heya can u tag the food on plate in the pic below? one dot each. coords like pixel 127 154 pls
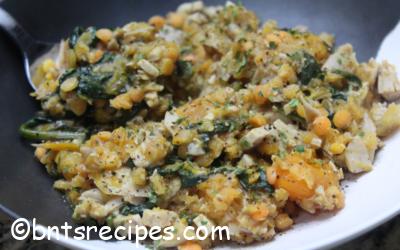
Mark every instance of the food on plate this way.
pixel 207 117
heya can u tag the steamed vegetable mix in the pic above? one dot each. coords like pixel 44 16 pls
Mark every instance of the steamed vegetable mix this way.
pixel 207 117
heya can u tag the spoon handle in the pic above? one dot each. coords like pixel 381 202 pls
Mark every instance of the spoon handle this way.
pixel 26 42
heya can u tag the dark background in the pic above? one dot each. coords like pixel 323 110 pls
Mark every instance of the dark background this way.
pixel 25 188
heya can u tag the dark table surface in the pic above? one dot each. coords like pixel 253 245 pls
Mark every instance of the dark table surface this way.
pixel 25 188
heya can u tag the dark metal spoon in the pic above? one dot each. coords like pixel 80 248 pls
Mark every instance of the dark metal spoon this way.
pixel 32 49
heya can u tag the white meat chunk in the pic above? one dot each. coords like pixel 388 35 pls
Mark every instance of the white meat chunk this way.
pixel 369 72
pixel 291 133
pixel 343 59
pixel 370 139
pixel 202 220
pixel 190 7
pixel 170 34
pixel 195 148
pixel 386 118
pixel 357 156
pixel 254 137
pixel 310 111
pixel 94 204
pixel 170 121
pixel 158 217
pixel 119 183
pixel 388 83
pixel 151 149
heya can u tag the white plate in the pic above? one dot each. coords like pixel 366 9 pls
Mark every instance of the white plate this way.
pixel 371 199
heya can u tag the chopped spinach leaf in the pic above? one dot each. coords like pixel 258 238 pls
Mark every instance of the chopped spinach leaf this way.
pixel 227 170
pixel 170 169
pixel 190 179
pixel 352 80
pixel 107 57
pixel 291 31
pixel 300 121
pixel 152 199
pixel 139 208
pixel 245 144
pixel 91 38
pixel 350 77
pixel 88 36
pixel 184 69
pixel 205 137
pixel 294 103
pixel 44 128
pixel 134 209
pixel 309 67
pixel 192 175
pixel 186 50
pixel 189 174
pixel 172 158
pixel 187 216
pixel 260 184
pixel 91 84
pixel 73 39
pixel 110 220
pixel 126 115
pixel 299 148
pixel 222 126
pixel 338 95
pixel 67 74
pixel 241 59
pixel 219 126
pixel 272 45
